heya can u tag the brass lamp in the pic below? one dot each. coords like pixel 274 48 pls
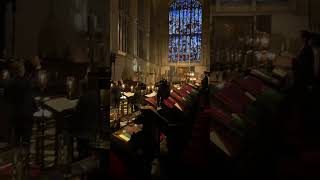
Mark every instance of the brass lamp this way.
pixel 70 85
pixel 43 80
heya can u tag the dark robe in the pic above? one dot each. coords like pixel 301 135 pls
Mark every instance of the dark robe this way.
pixel 19 94
pixel 86 119
pixel 163 92
pixel 303 68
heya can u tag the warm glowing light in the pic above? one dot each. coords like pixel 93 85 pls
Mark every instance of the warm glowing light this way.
pixel 123 86
pixel 70 85
pixel 112 85
pixel 259 56
pixel 70 82
pixel 271 56
pixel 131 88
pixel 5 74
pixel 42 76
pixel 43 79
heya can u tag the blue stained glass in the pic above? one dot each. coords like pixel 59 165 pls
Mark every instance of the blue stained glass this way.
pixel 185 31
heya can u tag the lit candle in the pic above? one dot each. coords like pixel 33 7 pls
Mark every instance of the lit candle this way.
pixel 43 79
pixel 111 85
pixel 258 55
pixel 131 88
pixel 123 86
pixel 70 83
pixel 271 56
pixel 265 41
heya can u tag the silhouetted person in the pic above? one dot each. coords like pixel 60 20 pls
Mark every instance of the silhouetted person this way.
pixel 311 106
pixel 303 65
pixel 137 98
pixel 5 108
pixel 205 81
pixel 85 123
pixel 163 92
pixel 84 82
pixel 33 66
pixel 21 100
pixel 116 94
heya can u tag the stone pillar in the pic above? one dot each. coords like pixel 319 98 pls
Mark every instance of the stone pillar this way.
pixel 205 52
pixel 114 22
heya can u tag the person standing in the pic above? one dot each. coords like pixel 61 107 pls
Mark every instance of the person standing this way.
pixel 205 81
pixel 303 65
pixel 20 97
pixel 163 92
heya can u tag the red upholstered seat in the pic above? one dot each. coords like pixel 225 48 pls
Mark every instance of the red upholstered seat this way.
pixel 233 98
pixel 252 85
pixel 152 101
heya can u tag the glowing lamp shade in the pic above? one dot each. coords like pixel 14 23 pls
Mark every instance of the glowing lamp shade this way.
pixel 258 56
pixel 265 41
pixel 5 74
pixel 271 56
pixel 70 82
pixel 42 78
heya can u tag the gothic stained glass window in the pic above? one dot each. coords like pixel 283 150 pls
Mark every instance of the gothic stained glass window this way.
pixel 185 31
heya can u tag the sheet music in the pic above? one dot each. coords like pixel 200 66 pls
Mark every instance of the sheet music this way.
pixel 128 94
pixel 214 137
pixel 61 104
pixel 152 94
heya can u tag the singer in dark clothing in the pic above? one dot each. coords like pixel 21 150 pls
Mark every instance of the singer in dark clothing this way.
pixel 163 92
pixel 85 123
pixel 303 69
pixel 303 65
pixel 85 126
pixel 20 97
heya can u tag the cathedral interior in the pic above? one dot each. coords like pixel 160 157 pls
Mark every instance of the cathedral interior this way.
pixel 159 89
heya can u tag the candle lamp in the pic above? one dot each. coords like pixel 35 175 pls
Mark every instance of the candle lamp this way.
pixel 271 56
pixel 123 86
pixel 265 41
pixel 70 85
pixel 5 74
pixel 131 88
pixel 43 80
